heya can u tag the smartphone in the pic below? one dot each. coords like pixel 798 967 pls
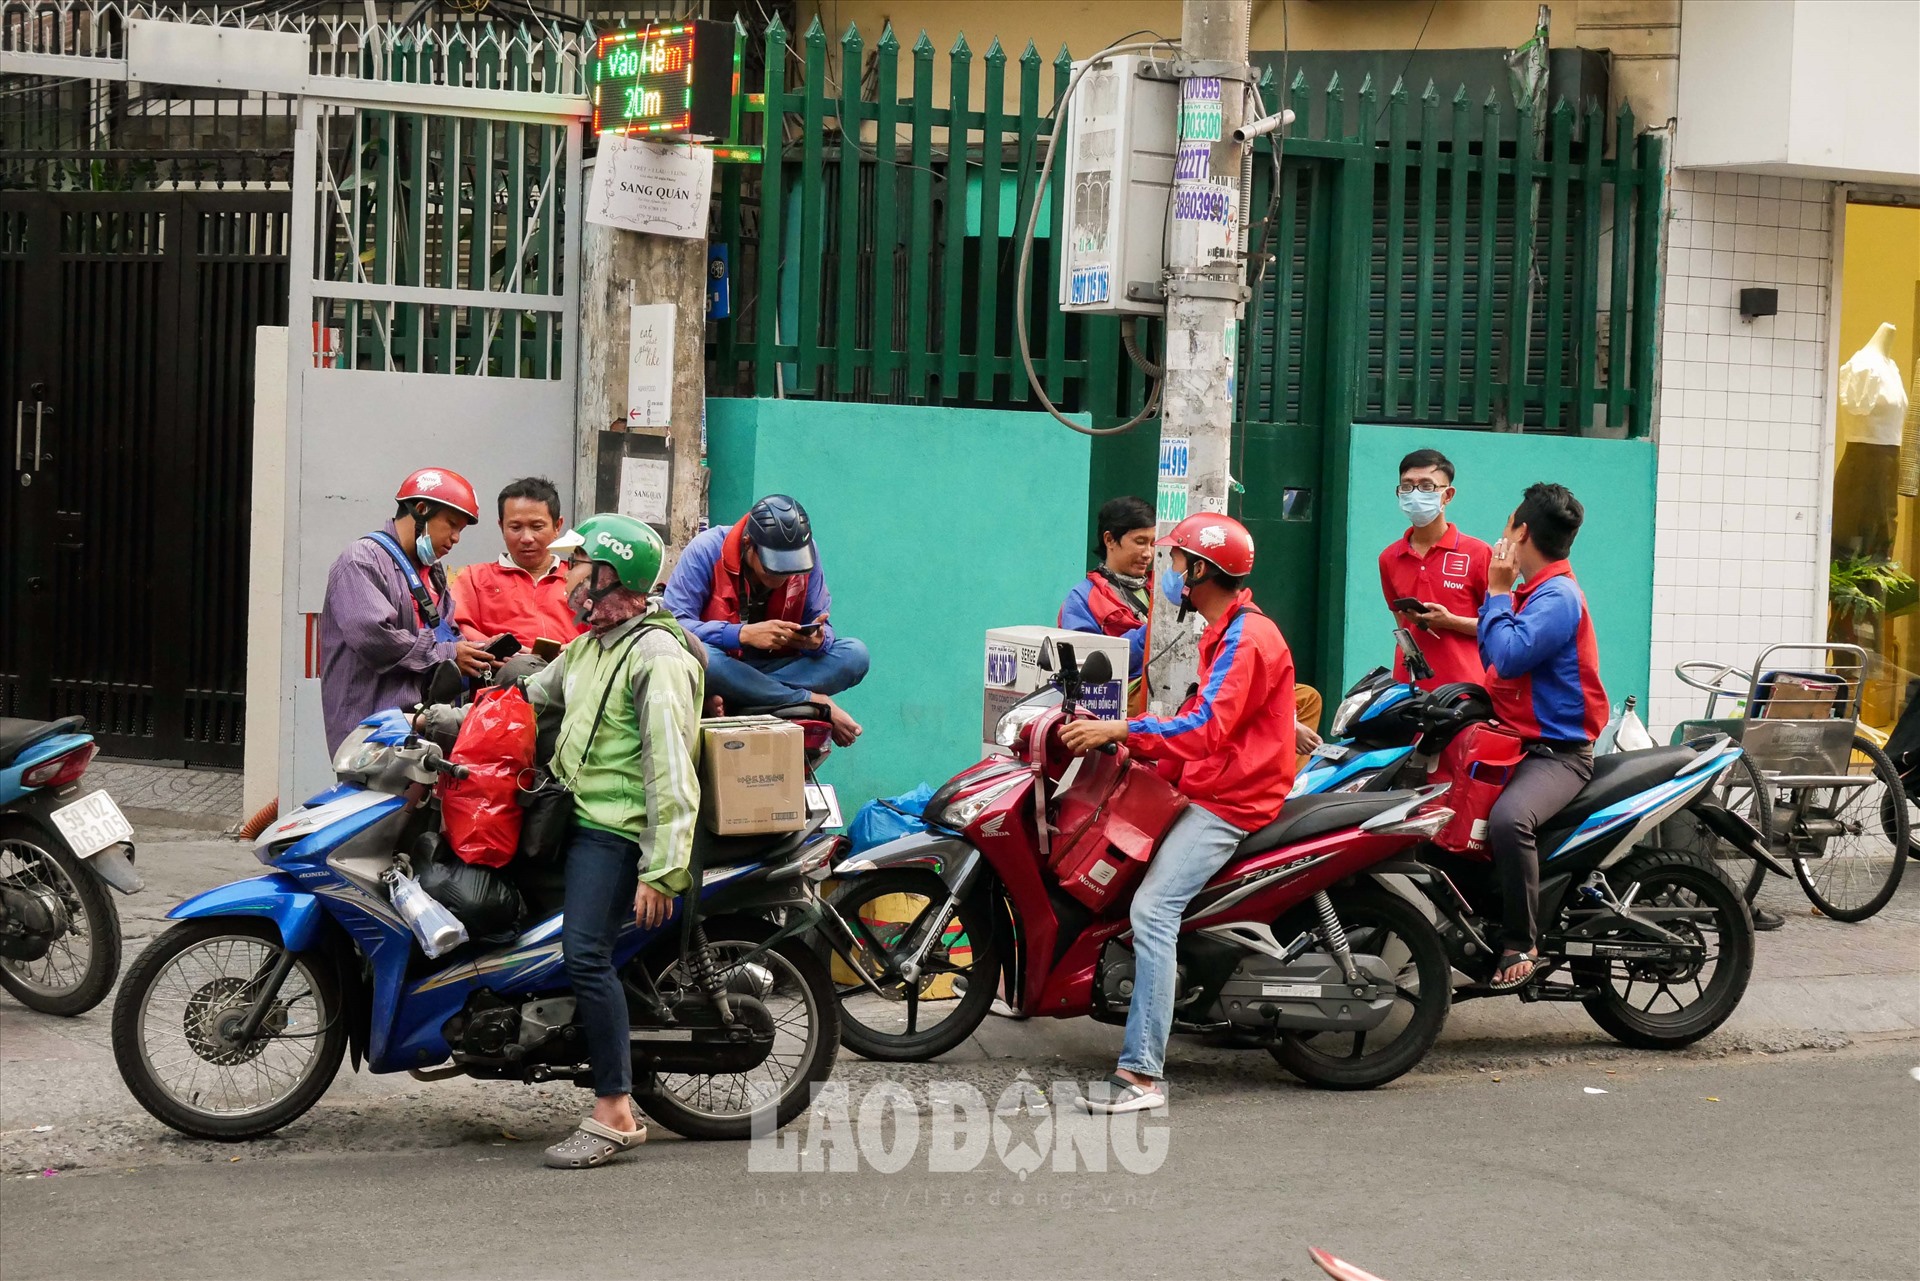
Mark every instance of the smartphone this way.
pixel 547 649
pixel 503 646
pixel 1408 605
pixel 808 628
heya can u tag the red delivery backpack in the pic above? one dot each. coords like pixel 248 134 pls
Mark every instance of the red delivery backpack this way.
pixel 482 810
pixel 1110 820
pixel 1478 763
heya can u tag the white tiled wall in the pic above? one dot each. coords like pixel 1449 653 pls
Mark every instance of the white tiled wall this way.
pixel 1742 427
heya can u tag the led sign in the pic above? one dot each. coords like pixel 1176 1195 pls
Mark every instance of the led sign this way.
pixel 678 81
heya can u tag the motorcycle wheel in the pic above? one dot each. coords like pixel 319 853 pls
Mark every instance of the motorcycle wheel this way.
pixel 806 1041
pixel 1384 925
pixel 889 1024
pixel 174 1020
pixel 79 968
pixel 1664 1020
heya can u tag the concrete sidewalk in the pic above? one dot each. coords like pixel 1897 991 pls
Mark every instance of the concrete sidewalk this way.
pixel 1817 984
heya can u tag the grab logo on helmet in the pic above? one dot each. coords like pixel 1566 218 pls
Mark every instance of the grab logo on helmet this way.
pixel 623 550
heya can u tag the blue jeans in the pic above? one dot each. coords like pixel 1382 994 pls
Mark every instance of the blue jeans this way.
pixel 603 874
pixel 776 680
pixel 1195 847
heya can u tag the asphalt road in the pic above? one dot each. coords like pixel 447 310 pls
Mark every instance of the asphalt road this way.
pixel 1805 1165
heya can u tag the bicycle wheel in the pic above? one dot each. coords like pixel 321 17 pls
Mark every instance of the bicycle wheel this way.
pixel 1851 842
pixel 1744 791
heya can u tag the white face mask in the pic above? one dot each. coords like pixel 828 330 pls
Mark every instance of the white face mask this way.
pixel 1423 508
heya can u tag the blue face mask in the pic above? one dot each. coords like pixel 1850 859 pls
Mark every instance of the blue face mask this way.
pixel 1423 509
pixel 1172 585
pixel 423 548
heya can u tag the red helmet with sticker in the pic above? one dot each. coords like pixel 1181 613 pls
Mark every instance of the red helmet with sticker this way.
pixel 1219 540
pixel 438 485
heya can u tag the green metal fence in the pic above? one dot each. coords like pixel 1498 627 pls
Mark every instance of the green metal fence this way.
pixel 874 249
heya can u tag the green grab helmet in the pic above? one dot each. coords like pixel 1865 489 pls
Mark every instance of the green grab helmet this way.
pixel 630 546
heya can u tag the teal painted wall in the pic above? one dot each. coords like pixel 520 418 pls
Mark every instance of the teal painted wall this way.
pixel 1613 556
pixel 934 525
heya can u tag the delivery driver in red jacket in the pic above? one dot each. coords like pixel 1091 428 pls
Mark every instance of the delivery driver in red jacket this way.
pixel 1230 749
pixel 1543 674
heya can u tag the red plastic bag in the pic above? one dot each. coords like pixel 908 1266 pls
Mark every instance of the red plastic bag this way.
pixel 482 810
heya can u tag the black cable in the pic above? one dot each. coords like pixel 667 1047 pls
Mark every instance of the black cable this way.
pixel 1387 98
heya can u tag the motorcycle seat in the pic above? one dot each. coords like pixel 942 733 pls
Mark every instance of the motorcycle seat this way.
pixel 17 735
pixel 732 851
pixel 1616 776
pixel 1309 816
pixel 787 711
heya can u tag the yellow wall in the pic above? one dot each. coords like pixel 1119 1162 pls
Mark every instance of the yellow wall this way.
pixel 1878 278
pixel 1879 284
pixel 1643 33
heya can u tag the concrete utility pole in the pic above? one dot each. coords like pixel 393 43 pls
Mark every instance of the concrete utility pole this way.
pixel 1206 263
pixel 620 269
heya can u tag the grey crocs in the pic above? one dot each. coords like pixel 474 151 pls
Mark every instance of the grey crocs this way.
pixel 591 1145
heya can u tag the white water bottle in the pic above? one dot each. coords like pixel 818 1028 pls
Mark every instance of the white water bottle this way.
pixel 1632 736
pixel 438 930
pixel 1623 733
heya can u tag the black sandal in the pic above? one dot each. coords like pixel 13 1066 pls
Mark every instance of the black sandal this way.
pixel 1509 959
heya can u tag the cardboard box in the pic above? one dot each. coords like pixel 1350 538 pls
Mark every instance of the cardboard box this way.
pixel 1013 671
pixel 752 776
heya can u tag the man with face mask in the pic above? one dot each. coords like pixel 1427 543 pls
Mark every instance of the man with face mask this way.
pixel 388 618
pixel 1438 568
pixel 1229 749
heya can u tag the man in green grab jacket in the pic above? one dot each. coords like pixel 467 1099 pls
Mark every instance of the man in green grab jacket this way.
pixel 628 693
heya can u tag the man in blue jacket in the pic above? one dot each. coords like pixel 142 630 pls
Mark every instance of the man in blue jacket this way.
pixel 756 595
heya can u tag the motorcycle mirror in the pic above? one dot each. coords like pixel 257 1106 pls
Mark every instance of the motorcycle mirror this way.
pixel 1046 660
pixel 444 685
pixel 1097 670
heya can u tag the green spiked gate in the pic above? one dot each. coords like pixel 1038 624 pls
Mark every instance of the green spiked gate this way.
pixel 868 264
pixel 1412 266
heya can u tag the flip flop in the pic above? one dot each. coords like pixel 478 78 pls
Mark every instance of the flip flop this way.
pixel 594 1143
pixel 1127 1097
pixel 1509 959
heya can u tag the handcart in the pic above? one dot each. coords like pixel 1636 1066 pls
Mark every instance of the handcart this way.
pixel 1824 796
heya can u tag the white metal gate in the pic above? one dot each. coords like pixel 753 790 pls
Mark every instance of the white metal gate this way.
pixel 432 321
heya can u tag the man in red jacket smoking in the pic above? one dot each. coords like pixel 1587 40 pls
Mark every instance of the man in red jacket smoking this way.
pixel 1230 749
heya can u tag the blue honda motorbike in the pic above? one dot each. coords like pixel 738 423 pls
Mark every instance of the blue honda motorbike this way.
pixel 62 842
pixel 1638 921
pixel 234 1022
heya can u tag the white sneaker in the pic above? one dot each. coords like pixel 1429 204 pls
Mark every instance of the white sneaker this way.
pixel 1127 1097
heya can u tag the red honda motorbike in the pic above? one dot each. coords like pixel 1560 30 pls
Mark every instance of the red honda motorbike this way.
pixel 1310 942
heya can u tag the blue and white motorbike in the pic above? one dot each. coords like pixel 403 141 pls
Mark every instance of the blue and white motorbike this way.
pixel 233 1023
pixel 62 842
pixel 1638 922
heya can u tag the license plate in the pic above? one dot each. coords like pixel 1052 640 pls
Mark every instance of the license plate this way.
pixel 821 796
pixel 92 823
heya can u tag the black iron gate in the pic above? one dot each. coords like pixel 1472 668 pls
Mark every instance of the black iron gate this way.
pixel 126 361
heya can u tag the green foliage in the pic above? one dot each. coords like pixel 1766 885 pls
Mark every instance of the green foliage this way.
pixel 1858 586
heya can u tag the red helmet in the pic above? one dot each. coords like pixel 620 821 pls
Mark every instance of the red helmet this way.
pixel 438 485
pixel 1219 540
